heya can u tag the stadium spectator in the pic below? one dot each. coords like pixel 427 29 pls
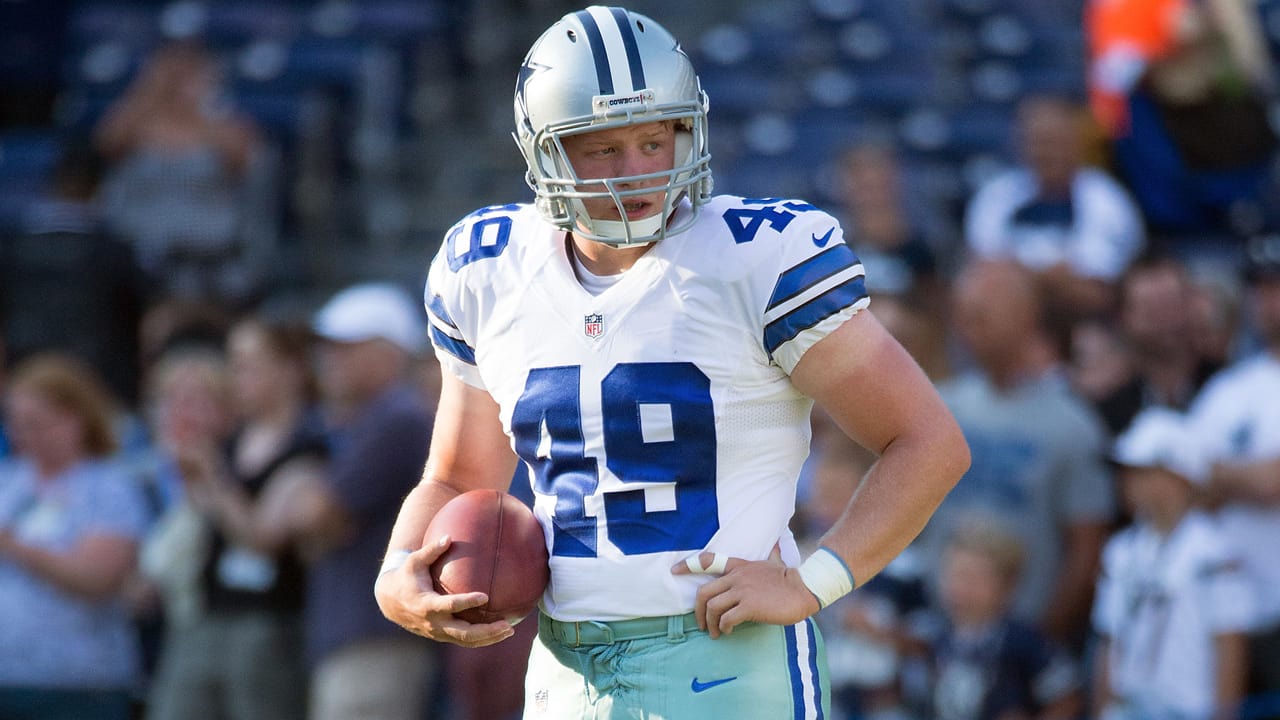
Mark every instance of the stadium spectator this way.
pixel 1073 225
pixel 1216 319
pixel 893 244
pixel 1173 601
pixel 181 182
pixel 66 285
pixel 896 242
pixel 243 657
pixel 1038 450
pixel 70 522
pixel 186 401
pixel 1180 88
pixel 1236 419
pixel 1157 295
pixel 1101 361
pixel 363 665
pixel 970 658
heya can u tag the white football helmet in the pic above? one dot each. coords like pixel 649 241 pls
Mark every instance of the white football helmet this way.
pixel 602 68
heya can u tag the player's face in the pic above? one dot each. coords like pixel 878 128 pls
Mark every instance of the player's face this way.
pixel 624 152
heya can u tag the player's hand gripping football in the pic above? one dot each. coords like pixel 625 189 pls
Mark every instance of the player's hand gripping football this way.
pixel 407 596
pixel 764 591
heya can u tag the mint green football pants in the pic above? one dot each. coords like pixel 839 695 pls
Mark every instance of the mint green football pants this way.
pixel 668 669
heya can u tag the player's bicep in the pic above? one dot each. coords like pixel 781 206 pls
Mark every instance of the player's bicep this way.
pixel 873 389
pixel 469 449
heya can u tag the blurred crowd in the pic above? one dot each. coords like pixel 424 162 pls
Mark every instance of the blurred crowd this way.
pixel 199 467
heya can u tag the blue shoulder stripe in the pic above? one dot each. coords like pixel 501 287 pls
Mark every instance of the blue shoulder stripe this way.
pixel 633 48
pixel 435 305
pixel 604 76
pixel 453 346
pixel 805 275
pixel 813 312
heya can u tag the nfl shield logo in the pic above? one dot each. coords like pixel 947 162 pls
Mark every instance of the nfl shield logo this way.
pixel 593 325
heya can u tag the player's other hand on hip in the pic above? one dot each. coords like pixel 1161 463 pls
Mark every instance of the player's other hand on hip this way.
pixel 408 597
pixel 764 591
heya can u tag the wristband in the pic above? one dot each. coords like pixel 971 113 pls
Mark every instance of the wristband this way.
pixel 826 576
pixel 395 559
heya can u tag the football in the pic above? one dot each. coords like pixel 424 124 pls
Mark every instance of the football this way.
pixel 497 548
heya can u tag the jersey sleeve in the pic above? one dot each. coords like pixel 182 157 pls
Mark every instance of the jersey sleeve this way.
pixel 445 299
pixel 816 285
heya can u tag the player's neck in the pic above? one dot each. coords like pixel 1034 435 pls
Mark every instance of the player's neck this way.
pixel 601 259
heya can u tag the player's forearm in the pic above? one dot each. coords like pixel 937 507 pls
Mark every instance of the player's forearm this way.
pixel 897 497
pixel 422 504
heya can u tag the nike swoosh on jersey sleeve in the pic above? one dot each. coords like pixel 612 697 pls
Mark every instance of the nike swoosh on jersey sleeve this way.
pixel 811 291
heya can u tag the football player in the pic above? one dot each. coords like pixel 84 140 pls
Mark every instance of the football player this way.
pixel 652 353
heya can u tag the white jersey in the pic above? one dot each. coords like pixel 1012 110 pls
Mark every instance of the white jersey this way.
pixel 1237 418
pixel 1162 600
pixel 657 418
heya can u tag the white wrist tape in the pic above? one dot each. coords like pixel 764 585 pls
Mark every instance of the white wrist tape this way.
pixel 826 576
pixel 395 559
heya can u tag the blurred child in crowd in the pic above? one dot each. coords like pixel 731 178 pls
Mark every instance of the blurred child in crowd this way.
pixel 971 659
pixel 1173 604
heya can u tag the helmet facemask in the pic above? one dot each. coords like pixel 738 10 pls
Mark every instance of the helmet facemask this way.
pixel 561 190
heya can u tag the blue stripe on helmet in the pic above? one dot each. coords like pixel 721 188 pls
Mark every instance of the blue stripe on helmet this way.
pixel 633 48
pixel 603 75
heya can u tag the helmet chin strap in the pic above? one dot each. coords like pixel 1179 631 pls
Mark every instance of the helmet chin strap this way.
pixel 639 228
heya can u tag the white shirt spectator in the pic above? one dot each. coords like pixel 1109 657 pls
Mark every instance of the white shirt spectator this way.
pixel 1098 231
pixel 1161 601
pixel 1237 417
